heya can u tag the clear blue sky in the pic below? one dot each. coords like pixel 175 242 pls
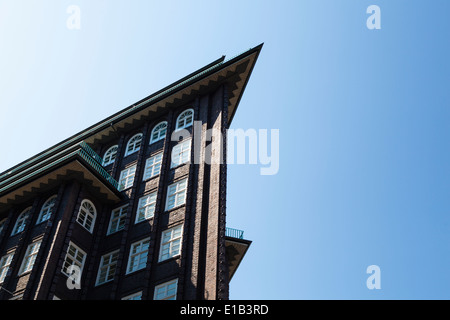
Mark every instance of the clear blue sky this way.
pixel 363 117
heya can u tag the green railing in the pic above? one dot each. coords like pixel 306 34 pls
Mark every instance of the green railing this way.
pixel 97 166
pixel 234 233
pixel 83 150
pixel 91 152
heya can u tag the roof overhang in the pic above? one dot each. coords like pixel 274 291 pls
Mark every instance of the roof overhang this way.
pixel 235 252
pixel 74 164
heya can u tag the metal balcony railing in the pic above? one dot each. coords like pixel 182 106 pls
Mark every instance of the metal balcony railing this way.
pixel 96 163
pixel 234 233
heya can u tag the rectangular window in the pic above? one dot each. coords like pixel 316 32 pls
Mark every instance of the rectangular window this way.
pixel 166 291
pixel 138 255
pixel 170 243
pixel 153 166
pixel 146 207
pixel 127 178
pixel 176 194
pixel 117 221
pixel 75 258
pixel 5 262
pixel 181 153
pixel 30 257
pixel 107 268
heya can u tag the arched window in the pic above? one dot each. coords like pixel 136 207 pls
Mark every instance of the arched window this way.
pixel 21 221
pixel 86 215
pixel 46 210
pixel 134 144
pixel 110 155
pixel 185 119
pixel 159 132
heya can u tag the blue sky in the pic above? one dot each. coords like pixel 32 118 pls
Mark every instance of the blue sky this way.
pixel 363 117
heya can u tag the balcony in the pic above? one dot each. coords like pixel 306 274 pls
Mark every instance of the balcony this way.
pixel 236 248
pixel 78 162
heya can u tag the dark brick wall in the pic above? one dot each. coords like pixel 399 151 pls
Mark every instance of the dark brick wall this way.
pixel 200 267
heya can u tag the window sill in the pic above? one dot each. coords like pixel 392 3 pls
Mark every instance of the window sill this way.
pixel 175 208
pixel 134 272
pixel 150 178
pixel 174 258
pixel 145 220
pixel 180 165
pixel 104 283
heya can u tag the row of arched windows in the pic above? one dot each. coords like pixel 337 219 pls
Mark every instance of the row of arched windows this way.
pixel 184 120
pixel 86 215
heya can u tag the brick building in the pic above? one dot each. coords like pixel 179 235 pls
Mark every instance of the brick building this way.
pixel 121 210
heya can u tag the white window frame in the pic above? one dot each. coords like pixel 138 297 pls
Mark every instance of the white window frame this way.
pixel 89 218
pixel 134 296
pixel 163 291
pixel 146 207
pixel 30 257
pixel 72 259
pixel 5 262
pixel 181 153
pixel 159 132
pixel 137 259
pixel 119 214
pixel 178 193
pixel 21 221
pixel 185 120
pixel 110 155
pixel 153 166
pixel 134 144
pixel 107 265
pixel 127 176
pixel 47 209
pixel 171 241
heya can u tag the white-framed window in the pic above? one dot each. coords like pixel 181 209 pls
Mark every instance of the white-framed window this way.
pixel 153 166
pixel 5 262
pixel 170 243
pixel 46 210
pixel 107 268
pixel 110 155
pixel 87 215
pixel 138 255
pixel 134 144
pixel 134 296
pixel 74 257
pixel 21 221
pixel 30 257
pixel 176 194
pixel 181 153
pixel 146 207
pixel 158 132
pixel 185 119
pixel 166 291
pixel 117 221
pixel 127 178
pixel 2 225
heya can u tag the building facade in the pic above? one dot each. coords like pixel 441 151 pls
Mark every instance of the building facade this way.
pixel 133 207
